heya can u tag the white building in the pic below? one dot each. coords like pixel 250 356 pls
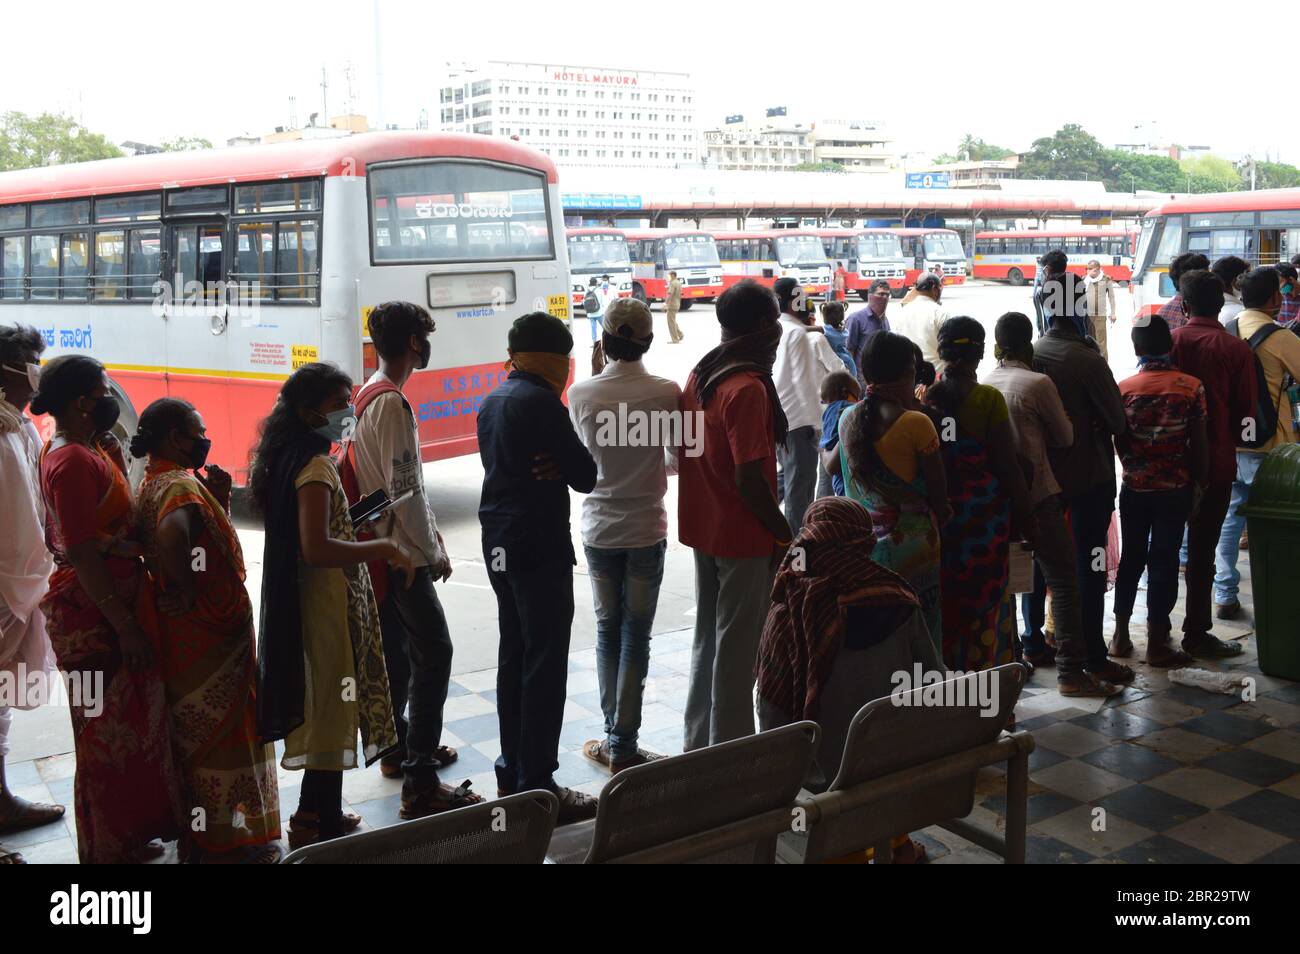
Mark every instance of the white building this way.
pixel 858 145
pixel 579 115
pixel 772 147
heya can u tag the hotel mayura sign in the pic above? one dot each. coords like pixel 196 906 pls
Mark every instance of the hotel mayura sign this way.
pixel 606 79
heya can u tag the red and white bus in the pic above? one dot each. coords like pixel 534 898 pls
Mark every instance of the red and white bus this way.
pixel 777 253
pixel 1013 256
pixel 594 253
pixel 211 275
pixel 933 250
pixel 868 256
pixel 690 253
pixel 1262 227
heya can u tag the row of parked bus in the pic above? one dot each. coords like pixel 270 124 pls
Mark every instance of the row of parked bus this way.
pixel 213 275
pixel 638 261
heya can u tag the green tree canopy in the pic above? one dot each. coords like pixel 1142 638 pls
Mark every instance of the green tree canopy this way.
pixel 185 144
pixel 48 139
pixel 974 149
pixel 1071 153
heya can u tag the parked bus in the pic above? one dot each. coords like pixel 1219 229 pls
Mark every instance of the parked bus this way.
pixel 929 249
pixel 1262 227
pixel 690 253
pixel 594 253
pixel 868 255
pixel 211 275
pixel 1013 256
pixel 777 253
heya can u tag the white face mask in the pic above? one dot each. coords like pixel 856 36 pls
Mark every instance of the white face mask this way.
pixel 33 372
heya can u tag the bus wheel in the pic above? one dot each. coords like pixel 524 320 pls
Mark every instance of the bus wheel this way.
pixel 686 305
pixel 639 294
pixel 127 423
pixel 1016 276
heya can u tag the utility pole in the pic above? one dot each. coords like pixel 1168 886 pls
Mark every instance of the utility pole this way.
pixel 324 95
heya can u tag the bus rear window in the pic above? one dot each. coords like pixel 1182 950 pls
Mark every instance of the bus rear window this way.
pixel 452 211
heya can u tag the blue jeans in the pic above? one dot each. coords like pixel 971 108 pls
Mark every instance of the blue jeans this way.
pixel 595 321
pixel 625 587
pixel 1226 577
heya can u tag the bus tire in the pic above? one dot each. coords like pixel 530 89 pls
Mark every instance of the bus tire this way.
pixel 639 294
pixel 686 304
pixel 127 423
pixel 1016 277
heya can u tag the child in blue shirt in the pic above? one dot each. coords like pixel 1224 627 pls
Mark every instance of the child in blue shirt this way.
pixel 840 390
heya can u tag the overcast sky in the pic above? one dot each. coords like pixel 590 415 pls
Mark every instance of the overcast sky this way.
pixel 1008 71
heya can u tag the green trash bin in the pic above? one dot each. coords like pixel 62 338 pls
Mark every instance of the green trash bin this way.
pixel 1273 522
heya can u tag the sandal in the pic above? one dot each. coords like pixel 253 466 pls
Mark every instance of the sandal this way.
pixel 910 853
pixel 9 856
pixel 1086 685
pixel 445 755
pixel 1163 656
pixel 437 799
pixel 304 827
pixel 1120 649
pixel 24 815
pixel 270 853
pixel 1211 647
pixel 1114 672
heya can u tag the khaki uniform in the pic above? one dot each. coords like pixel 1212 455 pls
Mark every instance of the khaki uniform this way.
pixel 1101 305
pixel 673 303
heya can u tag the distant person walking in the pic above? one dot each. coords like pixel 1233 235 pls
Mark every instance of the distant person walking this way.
pixel 673 303
pixel 599 296
pixel 920 319
pixel 1099 294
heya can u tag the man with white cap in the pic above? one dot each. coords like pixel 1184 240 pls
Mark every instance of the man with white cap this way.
pixel 632 424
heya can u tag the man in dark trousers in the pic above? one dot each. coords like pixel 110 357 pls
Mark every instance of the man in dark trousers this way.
pixel 531 457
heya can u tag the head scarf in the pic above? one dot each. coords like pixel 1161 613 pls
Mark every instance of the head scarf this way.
pixel 552 368
pixel 754 352
pixel 826 570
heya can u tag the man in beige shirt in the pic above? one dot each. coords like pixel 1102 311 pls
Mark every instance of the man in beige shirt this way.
pixel 1100 293
pixel 673 303
pixel 1278 352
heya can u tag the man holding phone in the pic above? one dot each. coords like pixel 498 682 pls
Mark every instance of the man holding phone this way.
pixel 385 455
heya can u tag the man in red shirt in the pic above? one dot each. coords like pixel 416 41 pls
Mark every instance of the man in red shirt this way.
pixel 728 513
pixel 1224 364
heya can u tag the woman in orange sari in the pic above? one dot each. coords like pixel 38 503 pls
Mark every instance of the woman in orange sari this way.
pixel 125 794
pixel 199 614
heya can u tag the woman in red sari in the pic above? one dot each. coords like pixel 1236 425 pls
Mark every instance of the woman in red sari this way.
pixel 125 793
pixel 199 615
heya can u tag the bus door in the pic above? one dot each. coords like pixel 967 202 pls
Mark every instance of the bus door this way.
pixel 197 319
pixel 1270 246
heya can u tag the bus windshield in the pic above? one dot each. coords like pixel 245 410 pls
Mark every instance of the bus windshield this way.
pixel 598 251
pixel 800 250
pixel 448 211
pixel 685 251
pixel 879 247
pixel 943 246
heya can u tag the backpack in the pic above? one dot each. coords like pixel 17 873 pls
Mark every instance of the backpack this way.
pixel 591 304
pixel 1266 411
pixel 351 488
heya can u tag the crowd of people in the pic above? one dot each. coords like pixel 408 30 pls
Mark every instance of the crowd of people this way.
pixel 854 497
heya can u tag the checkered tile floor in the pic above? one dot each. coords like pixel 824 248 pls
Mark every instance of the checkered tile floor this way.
pixel 1181 775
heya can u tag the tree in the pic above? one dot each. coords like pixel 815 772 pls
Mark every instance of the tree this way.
pixel 1071 153
pixel 1211 174
pixel 1274 175
pixel 972 149
pixel 48 139
pixel 1128 172
pixel 823 166
pixel 185 144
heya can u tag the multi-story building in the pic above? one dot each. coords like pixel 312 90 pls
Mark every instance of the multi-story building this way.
pixel 579 115
pixel 767 148
pixel 856 145
pixel 976 174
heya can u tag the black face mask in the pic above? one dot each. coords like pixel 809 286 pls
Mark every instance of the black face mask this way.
pixel 198 452
pixel 105 413
pixel 425 352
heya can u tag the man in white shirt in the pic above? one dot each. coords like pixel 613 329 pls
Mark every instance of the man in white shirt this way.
pixel 632 424
pixel 803 358
pixel 27 665
pixel 919 320
pixel 385 454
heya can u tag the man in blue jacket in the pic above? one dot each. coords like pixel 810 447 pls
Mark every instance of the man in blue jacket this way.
pixel 531 457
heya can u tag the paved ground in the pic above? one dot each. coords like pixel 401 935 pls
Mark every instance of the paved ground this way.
pixel 1184 775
